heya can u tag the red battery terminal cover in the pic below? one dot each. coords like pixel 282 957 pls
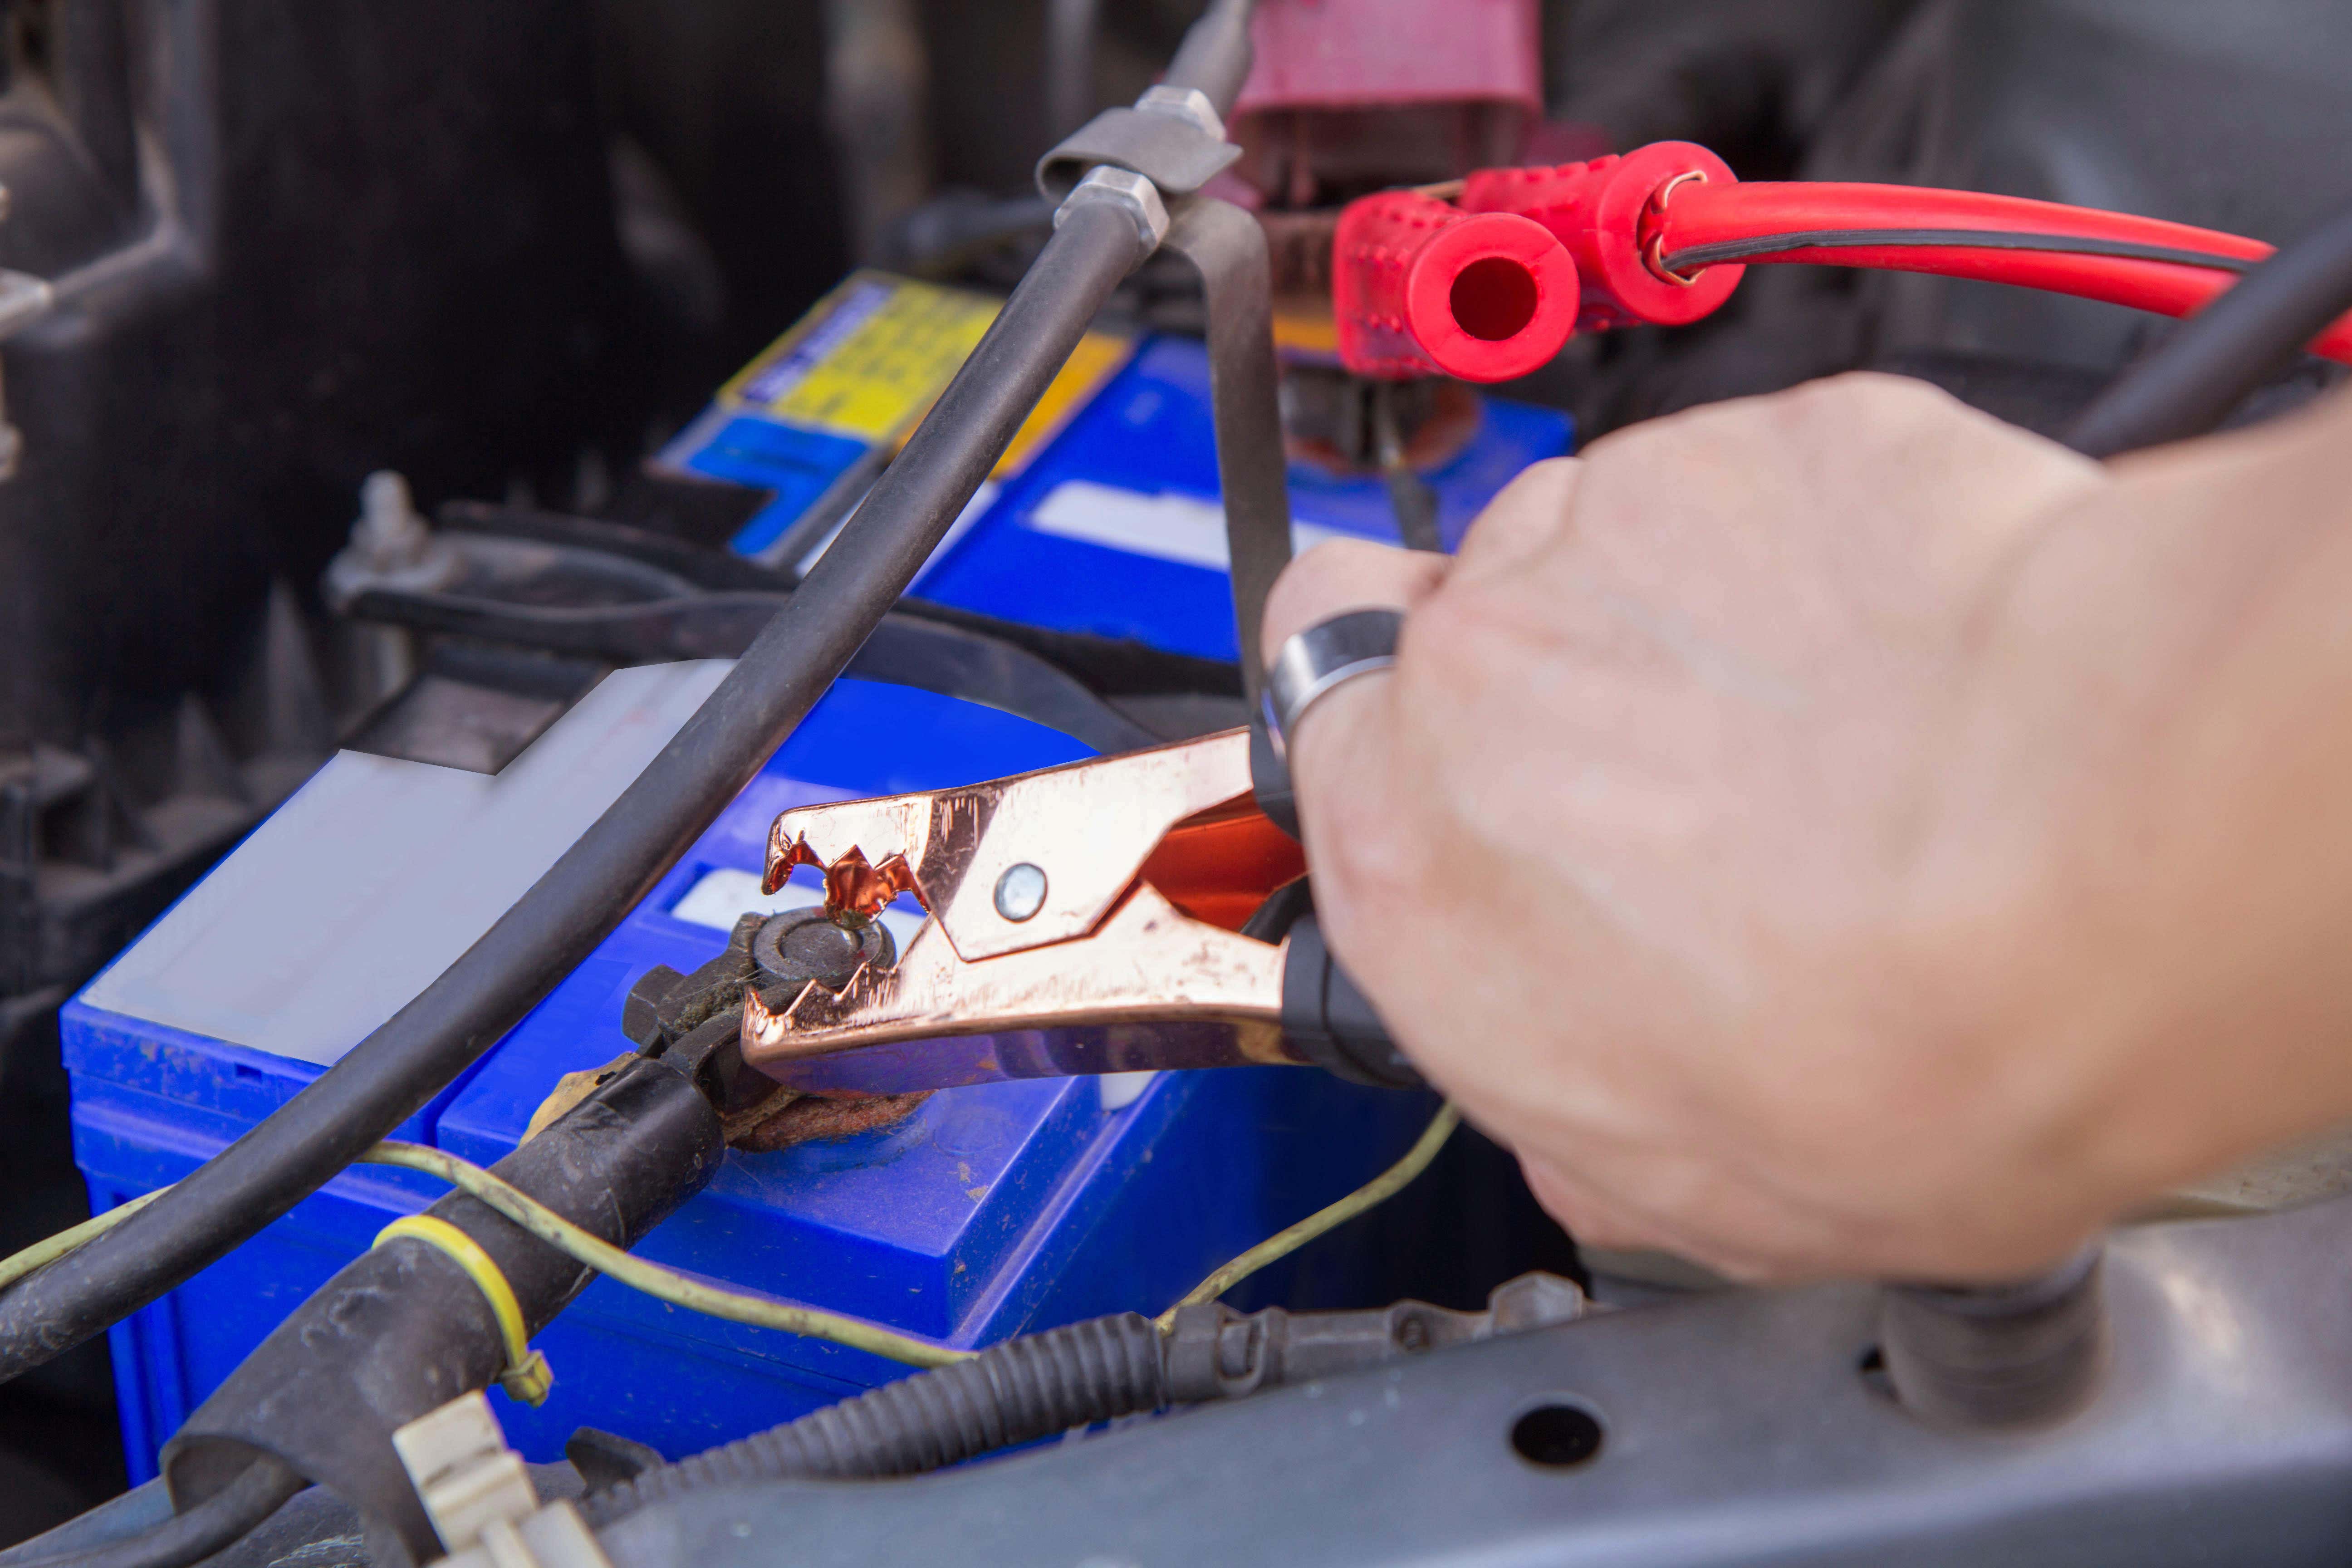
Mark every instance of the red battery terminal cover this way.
pixel 1419 287
pixel 1489 286
pixel 1609 214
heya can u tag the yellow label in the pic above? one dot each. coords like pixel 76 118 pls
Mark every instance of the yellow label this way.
pixel 878 350
pixel 1093 361
pixel 869 359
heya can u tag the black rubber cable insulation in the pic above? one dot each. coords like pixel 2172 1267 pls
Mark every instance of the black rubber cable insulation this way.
pixel 226 1516
pixel 1013 1392
pixel 387 1077
pixel 2213 361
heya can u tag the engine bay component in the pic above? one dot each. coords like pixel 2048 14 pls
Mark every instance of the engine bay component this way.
pixel 692 1021
pixel 1999 1357
pixel 1089 482
pixel 1086 1373
pixel 1702 1431
pixel 432 1040
pixel 1349 95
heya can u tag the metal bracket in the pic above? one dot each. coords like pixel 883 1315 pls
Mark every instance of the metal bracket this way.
pixel 1173 151
pixel 1227 248
pixel 1174 138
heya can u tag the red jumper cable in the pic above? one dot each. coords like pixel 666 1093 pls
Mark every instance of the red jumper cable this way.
pixel 1663 234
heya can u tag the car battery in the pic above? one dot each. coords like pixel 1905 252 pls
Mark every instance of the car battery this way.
pixel 992 1209
pixel 1102 517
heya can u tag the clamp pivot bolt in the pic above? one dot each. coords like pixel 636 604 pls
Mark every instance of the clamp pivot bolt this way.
pixel 1021 891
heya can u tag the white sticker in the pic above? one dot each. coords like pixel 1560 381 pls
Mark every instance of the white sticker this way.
pixel 1172 526
pixel 405 862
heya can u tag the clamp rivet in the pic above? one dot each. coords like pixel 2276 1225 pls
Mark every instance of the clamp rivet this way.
pixel 1021 891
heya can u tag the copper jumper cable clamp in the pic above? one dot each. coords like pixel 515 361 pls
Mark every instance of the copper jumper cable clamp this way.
pixel 1126 912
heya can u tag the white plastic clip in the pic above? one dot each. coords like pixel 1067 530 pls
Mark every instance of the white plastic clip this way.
pixel 479 1495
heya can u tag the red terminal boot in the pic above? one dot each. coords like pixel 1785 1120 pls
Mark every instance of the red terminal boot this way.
pixel 1605 212
pixel 1419 287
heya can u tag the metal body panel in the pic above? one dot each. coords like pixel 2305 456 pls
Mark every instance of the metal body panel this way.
pixel 1737 1429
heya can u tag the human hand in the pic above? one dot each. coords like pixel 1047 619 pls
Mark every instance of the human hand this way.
pixel 1776 829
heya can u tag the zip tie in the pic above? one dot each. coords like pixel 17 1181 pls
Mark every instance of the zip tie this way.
pixel 527 1377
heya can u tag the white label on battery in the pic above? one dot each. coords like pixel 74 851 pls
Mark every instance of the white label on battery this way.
pixel 379 872
pixel 1187 530
pixel 724 895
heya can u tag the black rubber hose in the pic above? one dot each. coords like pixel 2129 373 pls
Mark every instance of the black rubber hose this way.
pixel 226 1516
pixel 387 1077
pixel 2217 358
pixel 401 1330
pixel 1215 55
pixel 1013 1392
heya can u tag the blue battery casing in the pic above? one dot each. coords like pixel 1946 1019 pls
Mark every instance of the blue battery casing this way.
pixel 993 1210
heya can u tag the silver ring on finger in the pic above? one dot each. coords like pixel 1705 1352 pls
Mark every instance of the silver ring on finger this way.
pixel 1325 656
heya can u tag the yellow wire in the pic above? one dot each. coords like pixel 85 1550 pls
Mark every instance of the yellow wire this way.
pixel 1282 1243
pixel 682 1289
pixel 662 1284
pixel 42 1252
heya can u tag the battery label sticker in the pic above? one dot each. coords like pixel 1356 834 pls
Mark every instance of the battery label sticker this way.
pixel 881 351
pixel 1187 530
pixel 871 358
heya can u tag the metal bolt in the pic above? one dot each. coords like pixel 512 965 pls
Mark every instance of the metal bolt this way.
pixel 1186 103
pixel 1021 891
pixel 1126 189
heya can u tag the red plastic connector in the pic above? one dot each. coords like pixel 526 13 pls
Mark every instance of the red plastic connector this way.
pixel 1606 213
pixel 1663 234
pixel 1420 287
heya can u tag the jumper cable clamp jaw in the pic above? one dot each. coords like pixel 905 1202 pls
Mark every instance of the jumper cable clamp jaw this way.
pixel 1128 913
